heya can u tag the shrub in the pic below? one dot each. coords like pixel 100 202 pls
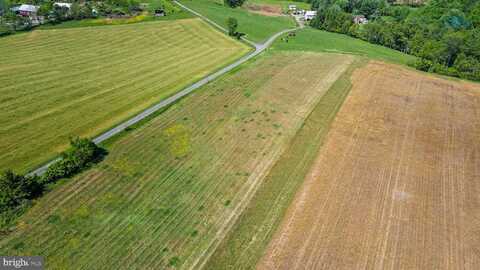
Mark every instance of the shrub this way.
pixel 423 64
pixel 80 155
pixel 232 25
pixel 233 3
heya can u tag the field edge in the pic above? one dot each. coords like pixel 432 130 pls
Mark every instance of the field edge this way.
pixel 232 252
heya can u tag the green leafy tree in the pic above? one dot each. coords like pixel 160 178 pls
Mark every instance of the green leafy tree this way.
pixel 16 189
pixel 80 155
pixel 467 67
pixel 3 6
pixel 232 25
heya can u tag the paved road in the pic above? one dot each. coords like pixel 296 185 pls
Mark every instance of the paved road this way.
pixel 259 48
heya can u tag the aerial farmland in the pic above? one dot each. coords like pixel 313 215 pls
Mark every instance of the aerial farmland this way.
pixel 240 134
pixel 81 81
pixel 206 157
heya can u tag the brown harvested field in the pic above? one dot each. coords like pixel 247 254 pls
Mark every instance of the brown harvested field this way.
pixel 397 183
pixel 264 9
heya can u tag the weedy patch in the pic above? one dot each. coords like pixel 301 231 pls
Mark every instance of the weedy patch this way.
pixel 178 140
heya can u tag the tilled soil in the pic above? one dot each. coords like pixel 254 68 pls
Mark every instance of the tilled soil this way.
pixel 397 183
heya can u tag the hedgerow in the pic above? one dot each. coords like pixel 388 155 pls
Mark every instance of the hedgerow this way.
pixel 17 191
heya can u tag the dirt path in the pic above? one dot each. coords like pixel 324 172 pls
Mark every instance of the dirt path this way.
pixel 396 183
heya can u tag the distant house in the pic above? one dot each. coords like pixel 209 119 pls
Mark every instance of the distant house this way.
pixel 62 5
pixel 29 11
pixel 310 14
pixel 360 19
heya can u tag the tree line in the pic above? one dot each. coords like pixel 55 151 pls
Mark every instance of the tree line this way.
pixel 17 191
pixel 443 34
pixel 11 22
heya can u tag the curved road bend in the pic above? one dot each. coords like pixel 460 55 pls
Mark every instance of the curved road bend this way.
pixel 259 48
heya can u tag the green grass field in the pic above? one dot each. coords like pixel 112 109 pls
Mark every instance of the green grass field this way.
pixel 257 27
pixel 250 236
pixel 170 190
pixel 314 40
pixel 82 81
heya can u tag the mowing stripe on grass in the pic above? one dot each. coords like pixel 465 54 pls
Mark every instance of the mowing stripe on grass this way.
pixel 82 81
pixel 169 191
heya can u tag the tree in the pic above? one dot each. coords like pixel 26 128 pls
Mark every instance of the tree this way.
pixel 232 25
pixel 467 67
pixel 3 6
pixel 80 155
pixel 16 189
pixel 233 3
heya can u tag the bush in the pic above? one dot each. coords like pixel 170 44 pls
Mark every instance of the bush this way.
pixel 233 3
pixel 467 67
pixel 232 25
pixel 80 155
pixel 423 64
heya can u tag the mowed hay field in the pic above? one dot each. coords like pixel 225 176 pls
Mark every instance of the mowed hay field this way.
pixel 81 81
pixel 169 191
pixel 396 184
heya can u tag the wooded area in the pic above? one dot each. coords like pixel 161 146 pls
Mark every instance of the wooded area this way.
pixel 444 34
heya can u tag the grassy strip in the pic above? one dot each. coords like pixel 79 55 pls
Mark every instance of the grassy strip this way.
pixel 315 40
pixel 247 241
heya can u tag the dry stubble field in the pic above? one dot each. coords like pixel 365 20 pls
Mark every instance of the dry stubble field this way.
pixel 396 185
pixel 168 192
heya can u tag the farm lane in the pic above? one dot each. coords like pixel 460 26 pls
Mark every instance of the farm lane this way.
pixel 259 48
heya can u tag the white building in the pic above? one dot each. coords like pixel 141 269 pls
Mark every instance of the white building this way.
pixel 62 5
pixel 360 19
pixel 310 14
pixel 26 10
pixel 292 7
